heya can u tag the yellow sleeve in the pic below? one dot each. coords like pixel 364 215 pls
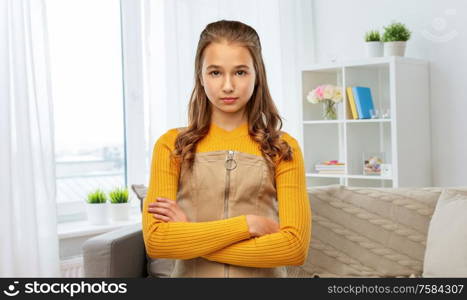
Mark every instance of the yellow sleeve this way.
pixel 181 240
pixel 290 245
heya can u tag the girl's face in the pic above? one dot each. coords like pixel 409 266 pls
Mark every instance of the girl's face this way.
pixel 228 78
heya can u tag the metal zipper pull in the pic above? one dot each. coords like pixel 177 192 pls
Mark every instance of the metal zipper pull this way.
pixel 230 162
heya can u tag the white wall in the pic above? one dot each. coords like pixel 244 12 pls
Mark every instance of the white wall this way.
pixel 439 34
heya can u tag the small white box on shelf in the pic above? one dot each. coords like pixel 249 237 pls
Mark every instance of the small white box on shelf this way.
pixel 386 170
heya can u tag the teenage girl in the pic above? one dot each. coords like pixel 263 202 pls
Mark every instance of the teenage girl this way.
pixel 227 194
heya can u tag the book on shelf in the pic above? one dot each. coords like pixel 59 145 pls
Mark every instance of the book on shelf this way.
pixel 331 172
pixel 331 163
pixel 340 165
pixel 330 166
pixel 325 167
pixel 363 101
pixel 351 109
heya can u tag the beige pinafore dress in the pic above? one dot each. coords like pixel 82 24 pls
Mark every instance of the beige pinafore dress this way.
pixel 226 184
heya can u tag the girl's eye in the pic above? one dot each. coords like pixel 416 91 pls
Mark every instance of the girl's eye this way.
pixel 215 73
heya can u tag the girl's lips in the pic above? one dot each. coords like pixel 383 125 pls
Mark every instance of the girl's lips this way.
pixel 229 100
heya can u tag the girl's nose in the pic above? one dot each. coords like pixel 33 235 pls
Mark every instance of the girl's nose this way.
pixel 227 86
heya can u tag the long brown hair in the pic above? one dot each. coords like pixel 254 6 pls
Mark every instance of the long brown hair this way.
pixel 264 121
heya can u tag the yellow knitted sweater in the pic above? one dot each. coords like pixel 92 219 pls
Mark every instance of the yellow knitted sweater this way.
pixel 228 241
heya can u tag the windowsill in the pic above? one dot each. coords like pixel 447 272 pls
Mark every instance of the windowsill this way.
pixel 82 228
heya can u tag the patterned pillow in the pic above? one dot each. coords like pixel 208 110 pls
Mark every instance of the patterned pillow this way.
pixel 369 232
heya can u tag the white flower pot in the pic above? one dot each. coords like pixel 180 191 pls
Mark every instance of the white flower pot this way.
pixel 120 211
pixel 394 48
pixel 98 213
pixel 374 49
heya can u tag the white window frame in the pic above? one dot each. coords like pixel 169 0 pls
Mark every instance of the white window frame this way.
pixel 135 135
pixel 133 86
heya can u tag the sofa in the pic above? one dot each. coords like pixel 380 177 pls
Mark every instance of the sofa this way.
pixel 356 232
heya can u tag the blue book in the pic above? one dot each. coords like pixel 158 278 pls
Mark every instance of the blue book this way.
pixel 363 101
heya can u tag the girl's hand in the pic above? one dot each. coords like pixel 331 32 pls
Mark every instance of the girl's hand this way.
pixel 167 210
pixel 259 225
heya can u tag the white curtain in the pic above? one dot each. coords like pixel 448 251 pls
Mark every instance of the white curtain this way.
pixel 28 230
pixel 172 30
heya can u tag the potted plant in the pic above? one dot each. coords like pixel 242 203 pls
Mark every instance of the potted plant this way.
pixel 119 206
pixel 329 95
pixel 96 208
pixel 395 38
pixel 374 46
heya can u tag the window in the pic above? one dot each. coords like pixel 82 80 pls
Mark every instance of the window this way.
pixel 87 88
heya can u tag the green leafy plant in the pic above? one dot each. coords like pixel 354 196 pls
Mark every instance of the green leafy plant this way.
pixel 119 195
pixel 396 32
pixel 372 36
pixel 97 196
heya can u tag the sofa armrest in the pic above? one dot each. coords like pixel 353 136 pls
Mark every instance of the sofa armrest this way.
pixel 119 253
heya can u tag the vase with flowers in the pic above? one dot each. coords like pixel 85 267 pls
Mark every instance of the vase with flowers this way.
pixel 329 95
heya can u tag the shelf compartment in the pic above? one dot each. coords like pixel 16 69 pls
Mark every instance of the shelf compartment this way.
pixel 324 143
pixel 367 137
pixel 376 77
pixel 310 80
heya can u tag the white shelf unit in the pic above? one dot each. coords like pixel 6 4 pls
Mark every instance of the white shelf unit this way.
pixel 399 84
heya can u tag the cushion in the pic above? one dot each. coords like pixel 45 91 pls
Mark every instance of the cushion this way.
pixel 369 231
pixel 156 267
pixel 140 191
pixel 446 250
pixel 160 267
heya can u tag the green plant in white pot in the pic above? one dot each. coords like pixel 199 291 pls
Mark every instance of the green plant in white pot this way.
pixel 97 208
pixel 119 206
pixel 374 46
pixel 395 38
